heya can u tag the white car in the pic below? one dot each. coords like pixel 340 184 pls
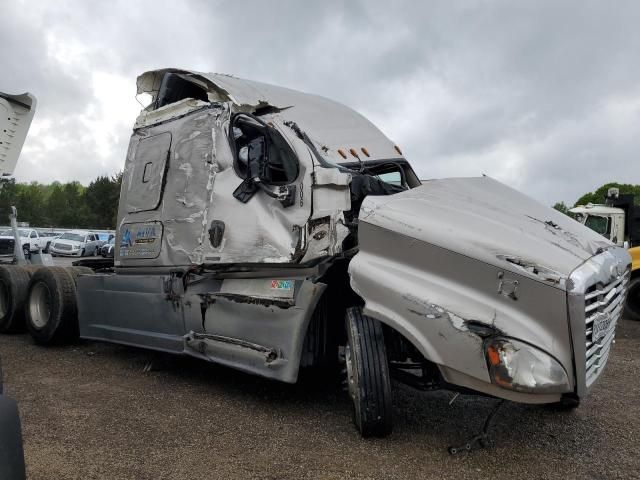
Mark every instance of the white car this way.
pixel 30 240
pixel 76 243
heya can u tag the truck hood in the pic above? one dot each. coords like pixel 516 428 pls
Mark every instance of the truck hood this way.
pixel 16 113
pixel 486 220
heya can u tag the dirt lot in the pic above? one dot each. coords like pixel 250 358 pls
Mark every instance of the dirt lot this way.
pixel 91 410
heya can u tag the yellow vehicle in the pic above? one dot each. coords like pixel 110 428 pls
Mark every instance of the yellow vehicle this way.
pixel 618 219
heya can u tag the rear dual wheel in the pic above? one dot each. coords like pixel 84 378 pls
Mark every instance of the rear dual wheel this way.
pixel 368 378
pixel 51 309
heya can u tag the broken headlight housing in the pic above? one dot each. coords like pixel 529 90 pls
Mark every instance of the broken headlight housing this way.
pixel 521 367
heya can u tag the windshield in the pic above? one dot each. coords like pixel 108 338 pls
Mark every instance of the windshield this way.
pixel 72 236
pixel 9 232
pixel 598 224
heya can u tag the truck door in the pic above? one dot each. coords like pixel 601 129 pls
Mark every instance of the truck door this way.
pixel 261 195
pixel 617 229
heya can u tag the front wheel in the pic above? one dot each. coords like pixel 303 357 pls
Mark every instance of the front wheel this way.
pixel 632 305
pixel 368 378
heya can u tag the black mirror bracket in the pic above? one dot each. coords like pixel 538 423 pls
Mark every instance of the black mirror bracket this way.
pixel 285 194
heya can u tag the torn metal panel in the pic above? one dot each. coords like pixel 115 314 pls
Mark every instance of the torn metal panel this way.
pixel 255 325
pixel 331 192
pixel 331 126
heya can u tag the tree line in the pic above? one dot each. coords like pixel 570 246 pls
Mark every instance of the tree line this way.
pixel 62 205
pixel 598 195
pixel 72 205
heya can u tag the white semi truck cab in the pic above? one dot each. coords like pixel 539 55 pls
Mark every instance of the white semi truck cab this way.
pixel 268 229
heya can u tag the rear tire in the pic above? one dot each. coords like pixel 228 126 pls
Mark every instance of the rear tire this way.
pixel 632 305
pixel 46 249
pixel 75 272
pixel 368 376
pixel 51 310
pixel 14 283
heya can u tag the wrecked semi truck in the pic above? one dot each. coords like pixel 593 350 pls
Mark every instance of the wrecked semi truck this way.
pixel 267 230
pixel 618 220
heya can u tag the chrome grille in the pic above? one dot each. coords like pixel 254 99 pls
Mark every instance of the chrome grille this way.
pixel 603 303
pixel 62 246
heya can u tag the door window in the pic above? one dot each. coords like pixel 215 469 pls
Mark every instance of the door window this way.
pixel 253 142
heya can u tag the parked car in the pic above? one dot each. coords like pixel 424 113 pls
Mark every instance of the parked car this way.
pixel 76 243
pixel 11 450
pixel 104 238
pixel 30 240
pixel 108 249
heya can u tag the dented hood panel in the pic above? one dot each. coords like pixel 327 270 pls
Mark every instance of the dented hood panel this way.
pixel 486 220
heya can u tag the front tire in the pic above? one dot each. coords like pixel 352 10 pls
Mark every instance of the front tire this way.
pixel 51 309
pixel 632 305
pixel 368 377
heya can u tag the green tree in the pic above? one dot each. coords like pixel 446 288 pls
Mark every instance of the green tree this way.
pixel 599 194
pixel 561 207
pixel 62 205
pixel 31 203
pixel 102 199
pixel 8 197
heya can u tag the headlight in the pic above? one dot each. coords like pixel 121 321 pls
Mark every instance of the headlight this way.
pixel 517 366
pixel 75 247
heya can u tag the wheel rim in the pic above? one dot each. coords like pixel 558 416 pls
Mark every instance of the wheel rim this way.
pixel 40 305
pixel 351 379
pixel 4 299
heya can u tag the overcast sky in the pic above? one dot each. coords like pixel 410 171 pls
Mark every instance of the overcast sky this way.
pixel 544 97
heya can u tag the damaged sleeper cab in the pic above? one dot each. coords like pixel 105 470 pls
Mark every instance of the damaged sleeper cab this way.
pixel 267 230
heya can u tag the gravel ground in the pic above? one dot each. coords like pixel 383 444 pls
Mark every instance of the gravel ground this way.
pixel 92 410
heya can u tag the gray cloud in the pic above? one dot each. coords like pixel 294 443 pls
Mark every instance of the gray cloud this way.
pixel 543 96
